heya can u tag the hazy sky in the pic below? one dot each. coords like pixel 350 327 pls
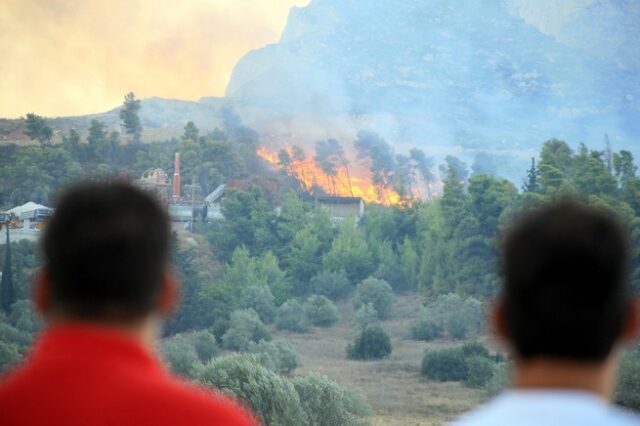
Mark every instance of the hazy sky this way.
pixel 64 57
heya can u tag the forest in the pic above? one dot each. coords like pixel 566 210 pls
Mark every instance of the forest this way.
pixel 405 287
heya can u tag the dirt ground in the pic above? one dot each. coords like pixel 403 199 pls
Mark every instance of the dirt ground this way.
pixel 393 386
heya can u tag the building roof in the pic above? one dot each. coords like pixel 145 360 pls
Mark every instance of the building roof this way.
pixel 26 207
pixel 338 200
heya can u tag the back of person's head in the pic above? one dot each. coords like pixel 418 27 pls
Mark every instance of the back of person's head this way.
pixel 566 290
pixel 106 251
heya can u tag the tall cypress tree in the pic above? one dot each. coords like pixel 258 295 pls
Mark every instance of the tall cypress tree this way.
pixel 7 290
pixel 532 184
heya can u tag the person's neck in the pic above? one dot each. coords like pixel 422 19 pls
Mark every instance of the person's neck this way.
pixel 145 330
pixel 549 373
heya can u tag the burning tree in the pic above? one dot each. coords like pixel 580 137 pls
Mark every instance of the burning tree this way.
pixel 382 165
pixel 380 176
pixel 333 162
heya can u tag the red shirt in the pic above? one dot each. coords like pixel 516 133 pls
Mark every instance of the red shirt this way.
pixel 88 375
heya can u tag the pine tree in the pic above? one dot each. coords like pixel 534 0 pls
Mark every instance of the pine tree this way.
pixel 38 129
pixel 608 155
pixel 191 132
pixel 532 184
pixel 130 118
pixel 7 291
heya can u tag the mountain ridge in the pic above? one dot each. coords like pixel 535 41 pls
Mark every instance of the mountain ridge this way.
pixel 478 77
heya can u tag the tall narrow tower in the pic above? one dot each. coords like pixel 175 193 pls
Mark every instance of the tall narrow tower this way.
pixel 176 178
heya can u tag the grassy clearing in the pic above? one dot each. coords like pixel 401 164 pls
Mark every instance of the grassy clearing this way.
pixel 393 386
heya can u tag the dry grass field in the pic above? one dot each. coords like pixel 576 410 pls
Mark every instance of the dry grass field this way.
pixel 393 386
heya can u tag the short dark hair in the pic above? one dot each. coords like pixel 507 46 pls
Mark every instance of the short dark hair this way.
pixel 106 250
pixel 566 289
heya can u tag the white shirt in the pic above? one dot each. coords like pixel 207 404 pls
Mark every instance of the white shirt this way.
pixel 548 408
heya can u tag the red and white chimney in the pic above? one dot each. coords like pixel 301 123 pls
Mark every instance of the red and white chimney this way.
pixel 176 178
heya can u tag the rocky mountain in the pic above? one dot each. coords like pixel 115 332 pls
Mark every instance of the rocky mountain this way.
pixel 497 76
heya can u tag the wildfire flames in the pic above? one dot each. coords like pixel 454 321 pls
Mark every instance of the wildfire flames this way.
pixel 343 181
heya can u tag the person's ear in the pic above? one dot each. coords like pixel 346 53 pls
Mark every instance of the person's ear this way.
pixel 42 292
pixel 497 323
pixel 169 294
pixel 631 326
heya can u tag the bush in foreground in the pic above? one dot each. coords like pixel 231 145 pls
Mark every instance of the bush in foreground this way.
pixel 278 356
pixel 277 401
pixel 327 404
pixel 480 370
pixel 321 311
pixel 204 344
pixel 271 397
pixel 371 343
pixel 9 356
pixel 179 354
pixel 628 390
pixel 245 327
pixel 498 381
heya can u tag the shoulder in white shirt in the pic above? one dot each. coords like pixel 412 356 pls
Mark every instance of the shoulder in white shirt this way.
pixel 548 408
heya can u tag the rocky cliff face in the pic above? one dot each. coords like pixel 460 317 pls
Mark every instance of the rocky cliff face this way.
pixel 480 74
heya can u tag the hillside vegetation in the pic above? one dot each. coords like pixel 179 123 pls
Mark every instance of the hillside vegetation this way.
pixel 372 321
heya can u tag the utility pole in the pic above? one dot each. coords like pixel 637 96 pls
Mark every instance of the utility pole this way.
pixel 7 290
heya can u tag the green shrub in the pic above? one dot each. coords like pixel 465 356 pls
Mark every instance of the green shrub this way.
pixel 278 356
pixel 393 274
pixel 498 380
pixel 459 317
pixel 272 398
pixel 378 293
pixel 627 392
pixel 220 327
pixel 260 299
pixel 475 349
pixel 9 356
pixel 480 370
pixel 334 285
pixel 179 354
pixel 471 363
pixel 321 311
pixel 291 317
pixel 444 364
pixel 365 316
pixel 204 344
pixel 371 343
pixel 24 317
pixel 10 334
pixel 245 327
pixel 424 328
pixel 328 404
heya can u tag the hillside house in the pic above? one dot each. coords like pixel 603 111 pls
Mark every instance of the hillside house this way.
pixel 341 208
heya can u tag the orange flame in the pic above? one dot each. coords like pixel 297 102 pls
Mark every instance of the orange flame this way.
pixel 345 183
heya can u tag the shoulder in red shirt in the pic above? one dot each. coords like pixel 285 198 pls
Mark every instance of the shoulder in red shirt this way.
pixel 86 375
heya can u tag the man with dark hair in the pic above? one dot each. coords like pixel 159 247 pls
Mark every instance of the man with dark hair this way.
pixel 565 311
pixel 105 283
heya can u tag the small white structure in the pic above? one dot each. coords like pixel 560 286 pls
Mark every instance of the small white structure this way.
pixel 26 208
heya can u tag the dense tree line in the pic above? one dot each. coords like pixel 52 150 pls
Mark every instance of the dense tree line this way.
pixel 285 261
pixel 36 172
